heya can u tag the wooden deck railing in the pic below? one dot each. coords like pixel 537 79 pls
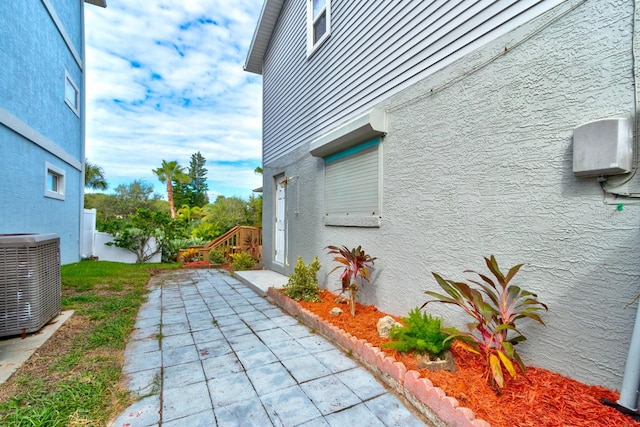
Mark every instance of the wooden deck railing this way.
pixel 239 239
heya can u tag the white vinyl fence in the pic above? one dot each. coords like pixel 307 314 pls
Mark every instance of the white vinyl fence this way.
pixel 93 244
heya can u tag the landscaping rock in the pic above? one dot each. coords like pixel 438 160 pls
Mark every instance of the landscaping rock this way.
pixel 385 324
pixel 341 300
pixel 446 364
pixel 335 311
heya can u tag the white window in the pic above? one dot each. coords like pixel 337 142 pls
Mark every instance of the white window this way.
pixel 54 181
pixel 352 186
pixel 318 23
pixel 71 94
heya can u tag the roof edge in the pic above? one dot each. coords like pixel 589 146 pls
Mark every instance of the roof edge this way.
pixel 101 3
pixel 262 35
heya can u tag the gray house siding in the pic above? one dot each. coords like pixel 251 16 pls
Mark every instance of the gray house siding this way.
pixel 477 160
pixel 376 48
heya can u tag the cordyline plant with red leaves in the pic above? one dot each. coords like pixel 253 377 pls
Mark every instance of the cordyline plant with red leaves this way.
pixel 493 332
pixel 356 264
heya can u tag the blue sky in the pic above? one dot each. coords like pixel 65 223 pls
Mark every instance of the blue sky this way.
pixel 164 80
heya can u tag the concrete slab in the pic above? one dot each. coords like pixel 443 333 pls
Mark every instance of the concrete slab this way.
pixel 15 351
pixel 261 280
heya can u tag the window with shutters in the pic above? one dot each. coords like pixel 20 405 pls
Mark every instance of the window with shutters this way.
pixel 352 186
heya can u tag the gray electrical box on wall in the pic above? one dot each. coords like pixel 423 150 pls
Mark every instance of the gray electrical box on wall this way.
pixel 603 147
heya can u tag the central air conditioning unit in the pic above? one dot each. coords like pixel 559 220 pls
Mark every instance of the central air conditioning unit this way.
pixel 30 283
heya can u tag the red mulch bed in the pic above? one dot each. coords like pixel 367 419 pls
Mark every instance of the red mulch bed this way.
pixel 542 398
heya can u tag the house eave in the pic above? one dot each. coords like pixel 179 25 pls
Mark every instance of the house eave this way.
pixel 101 3
pixel 262 35
pixel 366 126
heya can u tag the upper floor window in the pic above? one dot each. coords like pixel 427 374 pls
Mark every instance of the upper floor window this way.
pixel 318 23
pixel 71 94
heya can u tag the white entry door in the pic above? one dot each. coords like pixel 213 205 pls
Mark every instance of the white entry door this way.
pixel 280 237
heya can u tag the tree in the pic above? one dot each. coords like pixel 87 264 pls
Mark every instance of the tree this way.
pixel 226 212
pixel 193 192
pixel 123 202
pixel 94 176
pixel 167 173
pixel 198 185
pixel 254 210
pixel 136 234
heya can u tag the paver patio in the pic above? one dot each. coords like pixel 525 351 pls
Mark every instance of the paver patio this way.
pixel 227 357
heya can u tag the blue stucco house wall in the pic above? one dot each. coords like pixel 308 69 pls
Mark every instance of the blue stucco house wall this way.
pixel 42 119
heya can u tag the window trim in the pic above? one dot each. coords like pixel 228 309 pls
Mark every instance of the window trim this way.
pixel 75 107
pixel 50 169
pixel 311 21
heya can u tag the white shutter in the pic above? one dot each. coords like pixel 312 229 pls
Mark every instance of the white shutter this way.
pixel 352 182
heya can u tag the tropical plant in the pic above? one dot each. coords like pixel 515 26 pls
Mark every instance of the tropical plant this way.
pixel 421 333
pixel 190 255
pixel 216 256
pixel 167 174
pixel 242 261
pixel 94 176
pixel 492 333
pixel 189 214
pixel 356 263
pixel 303 282
pixel 172 246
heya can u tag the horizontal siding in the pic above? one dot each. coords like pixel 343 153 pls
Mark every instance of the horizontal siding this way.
pixel 376 48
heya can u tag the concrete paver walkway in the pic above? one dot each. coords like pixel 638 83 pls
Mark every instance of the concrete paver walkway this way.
pixel 208 351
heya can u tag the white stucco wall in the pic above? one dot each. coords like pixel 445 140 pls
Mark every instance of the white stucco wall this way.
pixel 478 161
pixel 105 252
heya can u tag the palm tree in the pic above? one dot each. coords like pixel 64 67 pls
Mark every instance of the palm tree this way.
pixel 167 173
pixel 94 176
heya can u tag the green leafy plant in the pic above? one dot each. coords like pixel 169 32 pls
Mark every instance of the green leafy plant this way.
pixel 356 263
pixel 303 282
pixel 137 234
pixel 492 333
pixel 422 333
pixel 242 261
pixel 216 256
pixel 191 255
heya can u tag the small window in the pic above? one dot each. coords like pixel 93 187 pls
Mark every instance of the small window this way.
pixel 352 186
pixel 71 94
pixel 318 23
pixel 54 182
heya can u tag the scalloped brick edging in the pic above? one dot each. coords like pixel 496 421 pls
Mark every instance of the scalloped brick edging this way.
pixel 431 401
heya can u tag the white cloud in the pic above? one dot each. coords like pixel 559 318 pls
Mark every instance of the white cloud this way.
pixel 165 80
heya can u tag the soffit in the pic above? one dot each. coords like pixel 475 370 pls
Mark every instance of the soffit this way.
pixel 262 35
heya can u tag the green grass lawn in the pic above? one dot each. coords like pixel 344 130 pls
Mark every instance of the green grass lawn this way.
pixel 73 380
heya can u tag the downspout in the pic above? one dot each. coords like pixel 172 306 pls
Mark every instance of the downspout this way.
pixel 631 379
pixel 628 401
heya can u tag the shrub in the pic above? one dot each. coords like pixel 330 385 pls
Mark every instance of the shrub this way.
pixel 171 247
pixel 422 333
pixel 190 255
pixel 493 331
pixel 216 256
pixel 242 261
pixel 303 282
pixel 356 263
